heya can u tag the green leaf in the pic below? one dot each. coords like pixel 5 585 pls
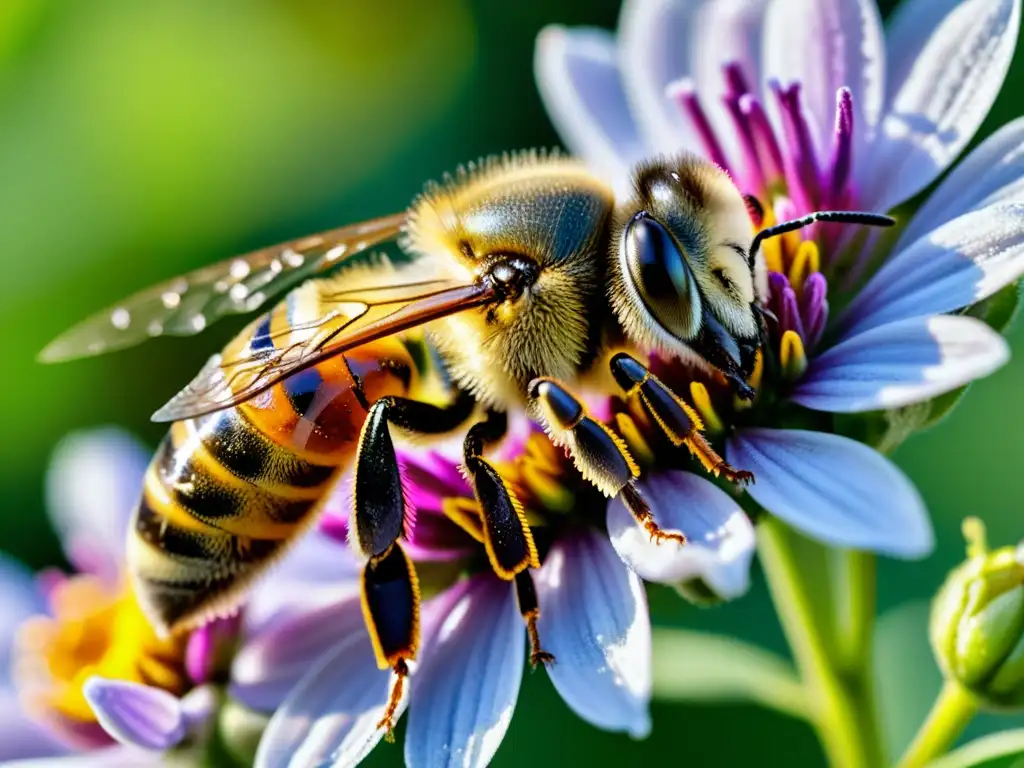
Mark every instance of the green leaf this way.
pixel 704 667
pixel 1000 309
pixel 997 750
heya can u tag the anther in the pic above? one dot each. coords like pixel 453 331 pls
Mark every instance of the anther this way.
pixel 706 409
pixel 806 262
pixel 792 356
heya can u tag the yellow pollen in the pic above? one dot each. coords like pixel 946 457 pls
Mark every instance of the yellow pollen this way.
pixel 806 262
pixel 93 631
pixel 702 401
pixel 771 249
pixel 792 356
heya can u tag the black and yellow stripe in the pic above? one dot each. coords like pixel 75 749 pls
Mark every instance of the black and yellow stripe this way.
pixel 226 493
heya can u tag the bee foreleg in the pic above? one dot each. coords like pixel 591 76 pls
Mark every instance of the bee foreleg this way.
pixel 677 420
pixel 600 455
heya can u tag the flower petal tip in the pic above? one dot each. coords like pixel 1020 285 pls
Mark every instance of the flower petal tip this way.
pixel 136 715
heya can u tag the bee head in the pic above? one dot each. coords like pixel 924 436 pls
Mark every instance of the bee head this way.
pixel 683 280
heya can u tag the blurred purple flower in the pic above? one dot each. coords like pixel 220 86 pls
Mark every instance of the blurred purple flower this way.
pixel 810 104
pixel 87 665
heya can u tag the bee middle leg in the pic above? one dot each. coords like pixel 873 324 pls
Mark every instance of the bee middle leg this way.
pixel 676 419
pixel 390 589
pixel 599 455
pixel 503 527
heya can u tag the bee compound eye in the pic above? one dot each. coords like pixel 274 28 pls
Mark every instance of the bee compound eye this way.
pixel 657 267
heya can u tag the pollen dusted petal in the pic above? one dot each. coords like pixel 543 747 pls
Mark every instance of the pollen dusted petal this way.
pixel 834 489
pixel 941 88
pixel 466 688
pixel 901 363
pixel 594 620
pixel 578 77
pixel 965 261
pixel 135 714
pixel 721 537
pixel 992 173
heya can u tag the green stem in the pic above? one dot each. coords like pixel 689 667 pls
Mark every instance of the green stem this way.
pixel 840 693
pixel 855 588
pixel 951 712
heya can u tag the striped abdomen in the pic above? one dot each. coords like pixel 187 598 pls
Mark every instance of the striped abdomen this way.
pixel 227 492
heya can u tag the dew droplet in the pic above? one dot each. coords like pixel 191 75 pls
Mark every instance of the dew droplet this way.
pixel 336 252
pixel 155 328
pixel 221 286
pixel 170 299
pixel 292 259
pixel 238 292
pixel 120 318
pixel 198 322
pixel 275 267
pixel 239 269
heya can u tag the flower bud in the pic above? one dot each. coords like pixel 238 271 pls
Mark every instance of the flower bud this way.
pixel 977 621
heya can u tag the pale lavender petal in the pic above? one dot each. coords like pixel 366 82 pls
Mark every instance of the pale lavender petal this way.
pixel 465 691
pixel 92 485
pixel 901 363
pixel 20 737
pixel 311 574
pixel 331 715
pixel 111 757
pixel 269 665
pixel 992 173
pixel 826 45
pixel 594 620
pixel 663 41
pixel 963 262
pixel 578 78
pixel 834 489
pixel 721 537
pixel 951 80
pixel 134 714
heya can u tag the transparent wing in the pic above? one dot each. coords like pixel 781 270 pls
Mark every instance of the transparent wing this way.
pixel 188 304
pixel 257 361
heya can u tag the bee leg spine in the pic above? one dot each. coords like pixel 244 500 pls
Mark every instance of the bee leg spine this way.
pixel 641 511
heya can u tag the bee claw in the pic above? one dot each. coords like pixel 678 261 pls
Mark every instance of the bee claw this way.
pixel 735 476
pixel 539 657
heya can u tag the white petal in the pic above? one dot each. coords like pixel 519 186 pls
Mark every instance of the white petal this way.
pixel 661 41
pixel 92 485
pixel 136 715
pixel 578 78
pixel 992 173
pixel 825 45
pixel 950 84
pixel 721 537
pixel 594 620
pixel 901 363
pixel 466 689
pixel 963 262
pixel 268 666
pixel 331 716
pixel 834 489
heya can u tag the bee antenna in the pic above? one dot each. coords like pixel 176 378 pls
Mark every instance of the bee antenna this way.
pixel 840 217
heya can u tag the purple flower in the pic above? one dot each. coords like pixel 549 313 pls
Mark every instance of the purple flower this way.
pixel 316 668
pixel 810 105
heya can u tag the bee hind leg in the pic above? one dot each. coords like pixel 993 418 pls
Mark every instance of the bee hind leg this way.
pixel 680 423
pixel 390 589
pixel 600 455
pixel 503 526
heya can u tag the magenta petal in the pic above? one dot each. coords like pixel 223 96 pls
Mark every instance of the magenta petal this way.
pixel 136 715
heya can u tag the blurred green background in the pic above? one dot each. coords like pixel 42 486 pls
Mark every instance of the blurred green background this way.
pixel 140 140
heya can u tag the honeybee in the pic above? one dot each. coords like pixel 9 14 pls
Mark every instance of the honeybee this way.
pixel 526 279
